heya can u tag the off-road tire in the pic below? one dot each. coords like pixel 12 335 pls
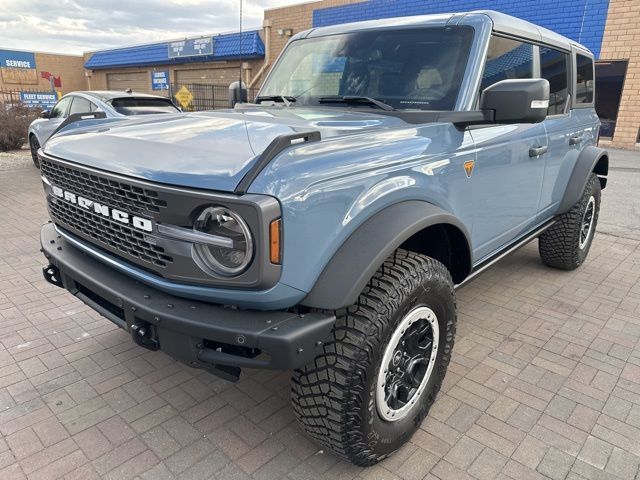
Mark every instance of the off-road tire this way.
pixel 559 246
pixel 34 145
pixel 334 396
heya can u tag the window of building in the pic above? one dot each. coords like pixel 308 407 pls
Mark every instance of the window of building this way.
pixel 507 58
pixel 584 79
pixel 610 79
pixel 554 67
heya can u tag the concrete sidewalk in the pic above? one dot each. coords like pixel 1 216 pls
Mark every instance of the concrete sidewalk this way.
pixel 544 381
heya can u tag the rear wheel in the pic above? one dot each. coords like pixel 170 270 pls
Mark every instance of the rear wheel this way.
pixel 34 146
pixel 566 243
pixel 375 381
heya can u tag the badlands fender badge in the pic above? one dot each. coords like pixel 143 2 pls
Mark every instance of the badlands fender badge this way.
pixel 468 167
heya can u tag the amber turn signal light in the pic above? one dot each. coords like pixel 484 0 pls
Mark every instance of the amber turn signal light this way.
pixel 275 247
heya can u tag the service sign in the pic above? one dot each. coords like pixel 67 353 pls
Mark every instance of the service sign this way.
pixel 160 80
pixel 191 47
pixel 18 67
pixel 44 100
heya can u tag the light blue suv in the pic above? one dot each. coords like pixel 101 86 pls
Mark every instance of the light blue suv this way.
pixel 325 228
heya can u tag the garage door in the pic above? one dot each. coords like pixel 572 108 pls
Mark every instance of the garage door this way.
pixel 136 81
pixel 216 76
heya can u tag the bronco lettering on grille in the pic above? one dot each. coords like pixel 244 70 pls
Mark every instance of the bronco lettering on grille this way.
pixel 104 210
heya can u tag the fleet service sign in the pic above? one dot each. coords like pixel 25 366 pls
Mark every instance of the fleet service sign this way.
pixel 18 67
pixel 39 99
pixel 191 47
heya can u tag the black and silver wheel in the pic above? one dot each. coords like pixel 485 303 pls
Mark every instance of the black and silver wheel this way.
pixel 34 146
pixel 566 243
pixel 407 363
pixel 375 381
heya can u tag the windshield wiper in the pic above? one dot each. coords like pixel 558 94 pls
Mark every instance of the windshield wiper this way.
pixel 286 99
pixel 356 99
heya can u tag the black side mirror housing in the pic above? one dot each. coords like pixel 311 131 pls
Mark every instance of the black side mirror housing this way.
pixel 237 93
pixel 517 100
pixel 45 113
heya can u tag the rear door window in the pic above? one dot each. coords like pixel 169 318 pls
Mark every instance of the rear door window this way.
pixel 143 106
pixel 80 105
pixel 554 66
pixel 584 79
pixel 507 59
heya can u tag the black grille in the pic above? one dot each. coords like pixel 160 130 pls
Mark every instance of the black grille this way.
pixel 109 233
pixel 129 198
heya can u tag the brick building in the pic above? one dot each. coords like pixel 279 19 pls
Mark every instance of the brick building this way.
pixel 150 67
pixel 609 28
pixel 38 71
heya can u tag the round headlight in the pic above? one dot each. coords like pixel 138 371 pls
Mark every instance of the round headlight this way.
pixel 229 260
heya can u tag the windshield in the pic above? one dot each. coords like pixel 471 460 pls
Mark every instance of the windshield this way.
pixel 142 105
pixel 404 68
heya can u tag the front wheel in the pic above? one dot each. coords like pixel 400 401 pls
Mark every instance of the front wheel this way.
pixel 375 381
pixel 34 146
pixel 566 243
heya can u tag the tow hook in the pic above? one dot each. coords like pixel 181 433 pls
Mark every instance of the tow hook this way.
pixel 52 275
pixel 144 334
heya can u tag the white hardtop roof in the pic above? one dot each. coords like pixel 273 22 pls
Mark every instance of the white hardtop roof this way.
pixel 501 22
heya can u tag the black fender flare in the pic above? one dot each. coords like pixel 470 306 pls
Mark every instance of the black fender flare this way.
pixel 354 263
pixel 591 159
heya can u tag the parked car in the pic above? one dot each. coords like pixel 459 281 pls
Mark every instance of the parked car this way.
pixel 112 103
pixel 325 228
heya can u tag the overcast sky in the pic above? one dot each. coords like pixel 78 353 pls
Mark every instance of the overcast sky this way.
pixel 75 26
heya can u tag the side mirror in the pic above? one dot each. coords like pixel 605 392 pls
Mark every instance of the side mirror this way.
pixel 237 93
pixel 45 113
pixel 517 100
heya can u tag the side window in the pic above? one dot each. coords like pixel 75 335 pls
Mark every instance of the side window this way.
pixel 80 105
pixel 554 67
pixel 60 109
pixel 506 59
pixel 584 79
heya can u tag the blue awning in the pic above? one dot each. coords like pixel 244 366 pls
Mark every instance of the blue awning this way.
pixel 225 47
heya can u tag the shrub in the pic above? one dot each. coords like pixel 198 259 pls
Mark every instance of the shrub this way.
pixel 14 124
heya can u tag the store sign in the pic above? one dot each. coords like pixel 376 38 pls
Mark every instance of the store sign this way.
pixel 44 100
pixel 160 80
pixel 18 67
pixel 191 47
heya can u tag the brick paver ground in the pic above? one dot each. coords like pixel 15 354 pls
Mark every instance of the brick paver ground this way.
pixel 544 381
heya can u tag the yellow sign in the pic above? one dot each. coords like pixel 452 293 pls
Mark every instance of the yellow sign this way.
pixel 184 97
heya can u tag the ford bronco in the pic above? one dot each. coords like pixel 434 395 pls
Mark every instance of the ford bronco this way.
pixel 325 227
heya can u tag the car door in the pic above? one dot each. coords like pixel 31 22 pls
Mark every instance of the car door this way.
pixel 509 169
pixel 58 113
pixel 562 129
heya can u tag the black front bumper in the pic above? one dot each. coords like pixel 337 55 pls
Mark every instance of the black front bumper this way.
pixel 200 334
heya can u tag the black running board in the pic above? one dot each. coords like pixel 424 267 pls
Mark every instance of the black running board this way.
pixel 512 247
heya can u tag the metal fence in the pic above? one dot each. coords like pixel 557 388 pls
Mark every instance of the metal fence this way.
pixel 208 97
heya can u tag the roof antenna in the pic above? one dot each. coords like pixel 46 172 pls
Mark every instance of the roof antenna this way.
pixel 240 84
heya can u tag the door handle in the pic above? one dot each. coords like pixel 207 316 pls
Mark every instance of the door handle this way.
pixel 575 140
pixel 537 151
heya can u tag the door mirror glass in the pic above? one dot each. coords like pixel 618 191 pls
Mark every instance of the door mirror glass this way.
pixel 517 100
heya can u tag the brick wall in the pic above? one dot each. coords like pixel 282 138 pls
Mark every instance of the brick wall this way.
pixel 621 42
pixel 581 20
pixel 68 67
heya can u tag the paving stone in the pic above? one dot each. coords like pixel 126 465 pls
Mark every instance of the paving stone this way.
pixel 544 382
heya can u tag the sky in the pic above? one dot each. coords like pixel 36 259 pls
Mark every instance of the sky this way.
pixel 76 26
